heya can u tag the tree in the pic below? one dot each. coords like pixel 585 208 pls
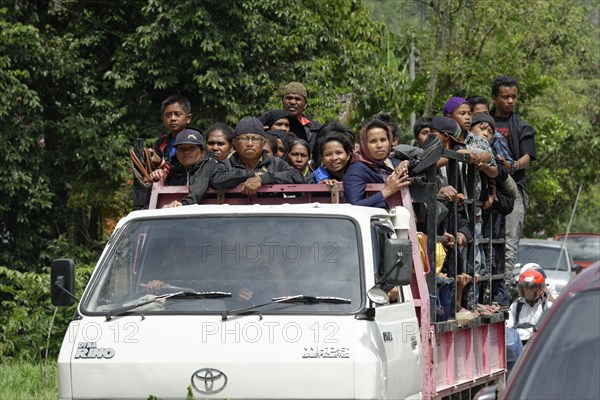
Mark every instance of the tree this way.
pixel 232 58
pixel 65 147
pixel 551 47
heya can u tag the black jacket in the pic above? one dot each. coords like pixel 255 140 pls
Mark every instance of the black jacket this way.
pixel 521 140
pixel 307 132
pixel 199 180
pixel 231 172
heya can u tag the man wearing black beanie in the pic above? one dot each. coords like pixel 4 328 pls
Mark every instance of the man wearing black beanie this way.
pixel 250 166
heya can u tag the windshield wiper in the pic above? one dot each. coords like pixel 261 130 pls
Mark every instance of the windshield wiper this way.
pixel 301 298
pixel 181 294
pixel 122 310
pixel 191 293
pixel 201 295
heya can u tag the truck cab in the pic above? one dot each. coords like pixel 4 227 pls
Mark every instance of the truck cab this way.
pixel 255 302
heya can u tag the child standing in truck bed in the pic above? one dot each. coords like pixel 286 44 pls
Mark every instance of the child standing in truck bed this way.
pixel 176 114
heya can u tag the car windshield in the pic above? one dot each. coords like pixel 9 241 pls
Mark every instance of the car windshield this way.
pixel 548 257
pixel 566 360
pixel 222 263
pixel 584 248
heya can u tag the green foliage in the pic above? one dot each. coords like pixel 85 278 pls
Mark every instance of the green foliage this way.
pixel 190 393
pixel 27 314
pixel 21 380
pixel 67 140
pixel 238 67
pixel 26 195
pixel 587 217
pixel 551 47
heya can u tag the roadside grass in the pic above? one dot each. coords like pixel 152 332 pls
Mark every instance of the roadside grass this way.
pixel 20 380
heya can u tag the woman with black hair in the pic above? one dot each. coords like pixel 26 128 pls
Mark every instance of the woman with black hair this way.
pixel 372 164
pixel 298 157
pixel 335 153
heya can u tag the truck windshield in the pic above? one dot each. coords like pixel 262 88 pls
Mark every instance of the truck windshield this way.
pixel 252 259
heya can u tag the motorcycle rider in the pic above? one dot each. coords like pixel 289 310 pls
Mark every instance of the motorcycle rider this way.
pixel 530 305
pixel 547 292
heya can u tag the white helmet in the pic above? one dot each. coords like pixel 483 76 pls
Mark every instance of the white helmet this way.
pixel 535 266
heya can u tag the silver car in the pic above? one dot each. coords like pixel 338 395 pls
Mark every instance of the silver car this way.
pixel 553 257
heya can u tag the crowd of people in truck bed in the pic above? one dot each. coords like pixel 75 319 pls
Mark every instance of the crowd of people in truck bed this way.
pixel 284 146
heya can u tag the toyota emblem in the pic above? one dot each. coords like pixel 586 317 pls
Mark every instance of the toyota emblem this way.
pixel 209 380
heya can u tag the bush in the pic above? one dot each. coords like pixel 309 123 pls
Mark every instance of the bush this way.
pixel 27 314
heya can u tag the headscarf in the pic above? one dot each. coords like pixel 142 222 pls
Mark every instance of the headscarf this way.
pixel 452 104
pixel 362 154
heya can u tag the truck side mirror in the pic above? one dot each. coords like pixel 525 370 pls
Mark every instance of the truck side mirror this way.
pixel 397 261
pixel 62 282
pixel 576 268
pixel 378 296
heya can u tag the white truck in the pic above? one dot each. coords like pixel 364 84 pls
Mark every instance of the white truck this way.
pixel 286 301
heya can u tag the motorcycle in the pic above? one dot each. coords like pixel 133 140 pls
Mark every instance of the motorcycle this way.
pixel 514 345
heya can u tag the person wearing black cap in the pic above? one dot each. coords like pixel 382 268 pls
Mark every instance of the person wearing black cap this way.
pixel 194 169
pixel 484 125
pixel 295 101
pixel 448 132
pixel 276 120
pixel 283 142
pixel 189 149
pixel 250 166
